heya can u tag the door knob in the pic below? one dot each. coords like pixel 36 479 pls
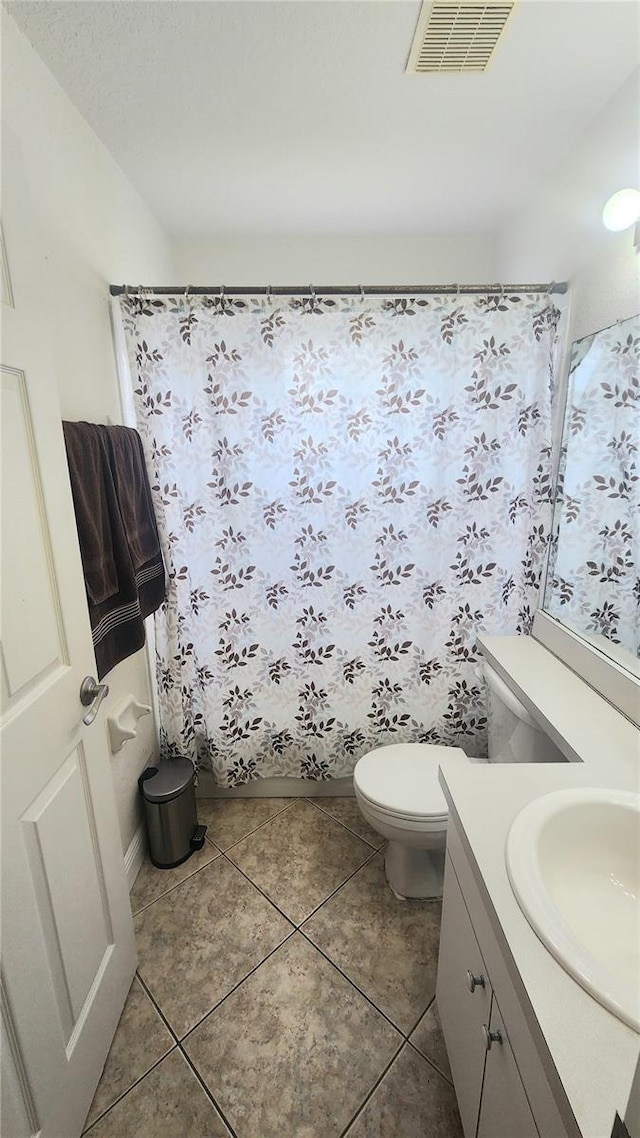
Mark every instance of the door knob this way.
pixel 91 695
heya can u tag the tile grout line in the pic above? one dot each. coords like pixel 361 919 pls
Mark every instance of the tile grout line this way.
pixel 339 821
pixel 187 1057
pixel 179 1042
pixel 299 928
pixel 405 1038
pixel 219 853
pixel 260 891
pixel 431 1001
pixel 256 828
pixel 373 1090
pixel 208 1093
pixel 313 911
pixel 289 807
pixel 174 1044
pixel 221 1001
pixel 405 1042
pixel 338 888
pixel 157 1007
pixel 108 1109
pixel 294 929
pixel 431 1063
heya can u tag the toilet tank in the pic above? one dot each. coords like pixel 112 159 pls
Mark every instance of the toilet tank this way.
pixel 514 735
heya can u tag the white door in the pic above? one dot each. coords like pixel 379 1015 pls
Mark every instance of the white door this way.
pixel 68 953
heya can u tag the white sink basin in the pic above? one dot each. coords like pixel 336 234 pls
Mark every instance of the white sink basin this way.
pixel 573 859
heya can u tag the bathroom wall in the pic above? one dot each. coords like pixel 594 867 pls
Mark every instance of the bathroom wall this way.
pixel 607 289
pixel 95 229
pixel 559 234
pixel 465 258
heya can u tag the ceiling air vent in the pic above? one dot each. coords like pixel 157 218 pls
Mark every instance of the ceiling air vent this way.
pixel 457 36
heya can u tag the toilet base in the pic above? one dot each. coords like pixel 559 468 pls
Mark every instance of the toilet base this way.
pixel 414 873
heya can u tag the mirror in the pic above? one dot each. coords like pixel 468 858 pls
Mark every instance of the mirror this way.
pixel 593 580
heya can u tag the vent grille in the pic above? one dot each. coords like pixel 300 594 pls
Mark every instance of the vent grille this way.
pixel 457 36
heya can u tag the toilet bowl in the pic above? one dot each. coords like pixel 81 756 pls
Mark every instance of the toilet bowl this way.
pixel 398 791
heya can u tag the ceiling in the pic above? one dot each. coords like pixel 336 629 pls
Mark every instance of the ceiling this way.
pixel 267 117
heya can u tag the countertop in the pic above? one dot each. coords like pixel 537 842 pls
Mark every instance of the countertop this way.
pixel 594 1053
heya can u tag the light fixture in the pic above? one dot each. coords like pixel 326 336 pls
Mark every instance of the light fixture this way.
pixel 622 210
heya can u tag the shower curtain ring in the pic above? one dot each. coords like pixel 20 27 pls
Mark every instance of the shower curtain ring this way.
pixel 312 291
pixel 361 293
pixel 457 291
pixel 268 290
pixel 551 288
pixel 186 291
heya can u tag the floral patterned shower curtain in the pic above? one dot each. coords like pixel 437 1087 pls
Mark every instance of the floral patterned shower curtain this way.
pixel 348 491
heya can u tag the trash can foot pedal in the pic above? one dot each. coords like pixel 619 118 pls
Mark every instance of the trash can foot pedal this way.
pixel 197 840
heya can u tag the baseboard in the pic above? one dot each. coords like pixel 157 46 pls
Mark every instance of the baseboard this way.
pixel 276 788
pixel 134 856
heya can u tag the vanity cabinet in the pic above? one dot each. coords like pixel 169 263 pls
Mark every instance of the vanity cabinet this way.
pixel 491 1098
pixel 504 1106
pixel 463 994
pixel 501 1081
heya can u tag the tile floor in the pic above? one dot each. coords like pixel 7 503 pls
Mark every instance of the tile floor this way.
pixel 282 991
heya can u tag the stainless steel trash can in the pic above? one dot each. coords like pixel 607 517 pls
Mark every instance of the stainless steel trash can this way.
pixel 170 812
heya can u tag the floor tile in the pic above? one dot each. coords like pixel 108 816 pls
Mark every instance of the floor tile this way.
pixel 347 811
pixel 428 1038
pixel 168 1103
pixel 151 883
pixel 294 1050
pixel 231 819
pixel 299 858
pixel 412 1101
pixel 389 948
pixel 197 942
pixel 140 1041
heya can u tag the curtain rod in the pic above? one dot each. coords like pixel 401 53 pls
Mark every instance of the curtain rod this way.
pixel 332 290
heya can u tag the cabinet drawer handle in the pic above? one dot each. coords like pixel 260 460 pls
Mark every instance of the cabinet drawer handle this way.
pixel 474 981
pixel 490 1037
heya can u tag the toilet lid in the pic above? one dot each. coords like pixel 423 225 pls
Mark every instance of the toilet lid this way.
pixel 403 778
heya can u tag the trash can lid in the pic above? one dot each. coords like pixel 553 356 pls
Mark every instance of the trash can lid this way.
pixel 172 777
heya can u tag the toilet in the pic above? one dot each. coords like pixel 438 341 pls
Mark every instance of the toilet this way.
pixel 398 791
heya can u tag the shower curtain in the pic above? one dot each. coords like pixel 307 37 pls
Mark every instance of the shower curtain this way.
pixel 349 490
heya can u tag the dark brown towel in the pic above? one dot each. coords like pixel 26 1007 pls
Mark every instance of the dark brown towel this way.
pixel 95 505
pixel 133 492
pixel 126 594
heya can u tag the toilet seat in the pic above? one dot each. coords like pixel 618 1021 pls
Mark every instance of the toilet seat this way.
pixel 400 782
